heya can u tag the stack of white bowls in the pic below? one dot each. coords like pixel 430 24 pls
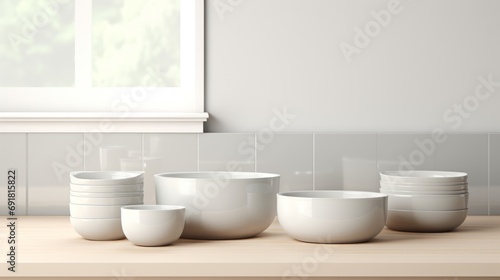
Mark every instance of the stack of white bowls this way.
pixel 425 201
pixel 96 198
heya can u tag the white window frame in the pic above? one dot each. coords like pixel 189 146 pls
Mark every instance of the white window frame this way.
pixel 139 109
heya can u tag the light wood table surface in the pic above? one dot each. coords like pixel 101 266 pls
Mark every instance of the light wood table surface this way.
pixel 49 247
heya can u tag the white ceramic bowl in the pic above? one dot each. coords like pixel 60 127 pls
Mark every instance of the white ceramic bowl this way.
pixel 98 229
pixel 332 216
pixel 138 199
pixel 425 221
pixel 221 205
pixel 104 178
pixel 107 188
pixel 431 184
pixel 420 176
pixel 82 211
pixel 406 187
pixel 152 225
pixel 389 191
pixel 428 202
pixel 105 195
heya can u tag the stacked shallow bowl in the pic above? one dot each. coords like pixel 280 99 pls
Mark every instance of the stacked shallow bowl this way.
pixel 425 201
pixel 96 198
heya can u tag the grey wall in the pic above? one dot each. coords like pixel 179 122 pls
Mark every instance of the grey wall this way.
pixel 414 74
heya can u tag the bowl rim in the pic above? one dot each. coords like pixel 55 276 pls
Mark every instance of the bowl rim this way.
pixel 95 219
pixel 103 177
pixel 115 197
pixel 429 195
pixel 357 195
pixel 130 193
pixel 421 193
pixel 430 211
pixel 401 174
pixel 99 205
pixel 394 190
pixel 152 208
pixel 107 186
pixel 208 175
pixel 92 205
pixel 427 185
pixel 417 191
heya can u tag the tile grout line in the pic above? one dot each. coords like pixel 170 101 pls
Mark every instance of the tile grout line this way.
pixel 434 156
pixel 198 152
pixel 27 177
pixel 143 163
pixel 84 151
pixel 314 161
pixel 489 175
pixel 376 154
pixel 255 151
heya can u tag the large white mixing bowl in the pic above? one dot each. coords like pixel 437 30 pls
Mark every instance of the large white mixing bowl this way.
pixel 221 205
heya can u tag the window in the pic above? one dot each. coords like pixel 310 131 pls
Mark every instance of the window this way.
pixel 70 65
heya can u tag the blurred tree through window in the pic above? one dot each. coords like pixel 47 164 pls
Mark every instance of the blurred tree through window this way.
pixel 129 38
pixel 37 45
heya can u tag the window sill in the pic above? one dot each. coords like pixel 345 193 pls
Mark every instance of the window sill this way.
pixel 102 122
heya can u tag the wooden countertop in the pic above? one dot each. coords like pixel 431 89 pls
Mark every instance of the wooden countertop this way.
pixel 49 247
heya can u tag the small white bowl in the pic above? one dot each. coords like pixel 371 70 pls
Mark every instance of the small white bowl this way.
pixel 107 189
pixel 421 176
pixel 332 216
pixel 390 191
pixel 153 225
pixel 428 202
pixel 428 187
pixel 95 211
pixel 138 199
pixel 98 229
pixel 425 221
pixel 105 195
pixel 106 177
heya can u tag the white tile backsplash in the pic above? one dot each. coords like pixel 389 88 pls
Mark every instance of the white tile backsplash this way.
pixel 405 152
pixel 468 153
pixel 13 156
pixel 51 157
pixel 346 162
pixel 227 152
pixel 113 152
pixel 167 153
pixel 304 161
pixel 291 156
